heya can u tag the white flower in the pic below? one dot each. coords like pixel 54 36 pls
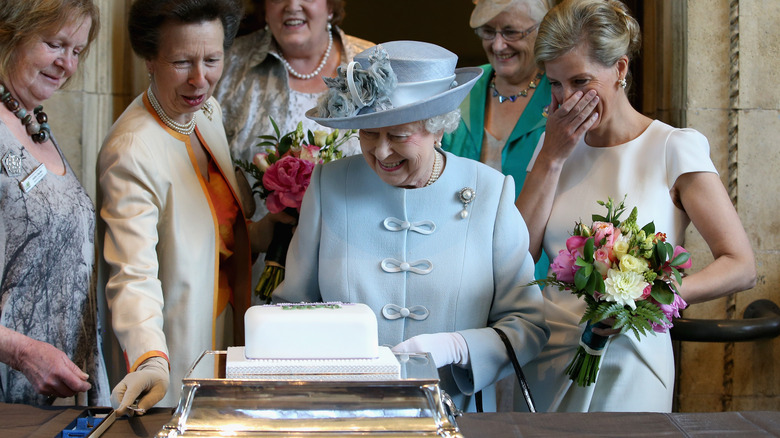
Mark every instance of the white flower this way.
pixel 624 287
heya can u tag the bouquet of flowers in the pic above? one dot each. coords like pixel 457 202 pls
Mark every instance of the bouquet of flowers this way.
pixel 622 272
pixel 282 171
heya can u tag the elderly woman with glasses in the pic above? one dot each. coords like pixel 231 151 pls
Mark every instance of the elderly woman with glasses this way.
pixel 503 116
pixel 431 242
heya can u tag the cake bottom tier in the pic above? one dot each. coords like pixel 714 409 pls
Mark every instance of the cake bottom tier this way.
pixel 385 366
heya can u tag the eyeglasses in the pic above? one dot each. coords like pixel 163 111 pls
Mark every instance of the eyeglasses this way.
pixel 489 34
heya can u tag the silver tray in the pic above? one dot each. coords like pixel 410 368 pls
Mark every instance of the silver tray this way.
pixel 412 406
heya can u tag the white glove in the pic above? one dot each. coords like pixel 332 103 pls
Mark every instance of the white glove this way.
pixel 148 384
pixel 446 348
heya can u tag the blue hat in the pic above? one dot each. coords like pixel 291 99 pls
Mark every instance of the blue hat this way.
pixel 394 83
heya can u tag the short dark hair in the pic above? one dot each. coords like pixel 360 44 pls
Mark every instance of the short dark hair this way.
pixel 148 16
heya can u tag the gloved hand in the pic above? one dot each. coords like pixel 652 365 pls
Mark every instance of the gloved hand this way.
pixel 148 384
pixel 446 348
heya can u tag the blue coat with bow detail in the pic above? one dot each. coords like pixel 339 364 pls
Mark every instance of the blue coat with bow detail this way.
pixel 423 268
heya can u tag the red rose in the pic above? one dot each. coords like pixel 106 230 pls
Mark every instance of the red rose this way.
pixel 287 179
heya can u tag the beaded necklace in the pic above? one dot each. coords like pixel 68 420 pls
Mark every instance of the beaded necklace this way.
pixel 524 93
pixel 182 128
pixel 319 68
pixel 37 127
pixel 436 172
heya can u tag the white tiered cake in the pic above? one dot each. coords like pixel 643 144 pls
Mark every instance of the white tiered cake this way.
pixel 304 340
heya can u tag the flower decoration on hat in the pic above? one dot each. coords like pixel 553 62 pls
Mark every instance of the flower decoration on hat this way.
pixel 355 88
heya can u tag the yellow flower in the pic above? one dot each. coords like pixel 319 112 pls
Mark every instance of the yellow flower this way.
pixel 320 137
pixel 620 248
pixel 629 263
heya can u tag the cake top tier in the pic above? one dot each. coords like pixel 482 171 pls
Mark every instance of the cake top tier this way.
pixel 311 331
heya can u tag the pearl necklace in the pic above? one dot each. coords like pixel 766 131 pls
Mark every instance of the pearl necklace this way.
pixel 524 93
pixel 182 128
pixel 436 172
pixel 37 127
pixel 319 68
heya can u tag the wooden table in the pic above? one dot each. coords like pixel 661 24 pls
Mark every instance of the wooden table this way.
pixel 28 421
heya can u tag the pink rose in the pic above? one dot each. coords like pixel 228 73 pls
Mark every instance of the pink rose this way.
pixel 287 179
pixel 677 251
pixel 602 261
pixel 563 266
pixel 607 232
pixel 671 311
pixel 576 243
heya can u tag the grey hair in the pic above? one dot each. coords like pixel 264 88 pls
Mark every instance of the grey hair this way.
pixel 446 122
pixel 605 26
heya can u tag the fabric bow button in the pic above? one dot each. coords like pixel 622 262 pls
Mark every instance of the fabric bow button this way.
pixel 422 227
pixel 419 267
pixel 392 311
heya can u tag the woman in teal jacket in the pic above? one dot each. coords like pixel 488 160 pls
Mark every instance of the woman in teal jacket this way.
pixel 503 115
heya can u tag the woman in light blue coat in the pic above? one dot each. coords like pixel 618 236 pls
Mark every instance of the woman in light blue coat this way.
pixel 430 241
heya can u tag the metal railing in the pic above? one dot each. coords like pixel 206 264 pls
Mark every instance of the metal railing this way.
pixel 761 320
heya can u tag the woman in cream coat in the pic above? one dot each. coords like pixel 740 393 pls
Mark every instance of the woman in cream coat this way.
pixel 430 241
pixel 176 242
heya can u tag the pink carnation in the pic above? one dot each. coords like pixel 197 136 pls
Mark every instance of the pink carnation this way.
pixel 287 179
pixel 671 311
pixel 647 292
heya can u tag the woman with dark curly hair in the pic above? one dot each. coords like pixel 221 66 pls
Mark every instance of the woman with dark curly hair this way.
pixel 176 242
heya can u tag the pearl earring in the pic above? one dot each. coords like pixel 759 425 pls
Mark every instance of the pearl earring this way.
pixel 622 82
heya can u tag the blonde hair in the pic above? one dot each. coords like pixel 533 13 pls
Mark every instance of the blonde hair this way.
pixel 604 25
pixel 23 20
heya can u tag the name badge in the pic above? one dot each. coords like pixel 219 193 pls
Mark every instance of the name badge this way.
pixel 34 178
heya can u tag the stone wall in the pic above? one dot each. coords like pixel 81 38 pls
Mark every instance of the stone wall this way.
pixel 732 97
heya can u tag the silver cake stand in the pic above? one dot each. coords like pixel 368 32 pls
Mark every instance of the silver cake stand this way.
pixel 307 406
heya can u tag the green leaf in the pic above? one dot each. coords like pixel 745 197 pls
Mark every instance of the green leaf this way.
pixel 600 287
pixel 661 292
pixel 680 259
pixel 310 137
pixel 677 276
pixel 649 229
pixel 661 253
pixel 598 218
pixel 581 279
pixel 588 256
pixel 276 127
pixel 591 286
